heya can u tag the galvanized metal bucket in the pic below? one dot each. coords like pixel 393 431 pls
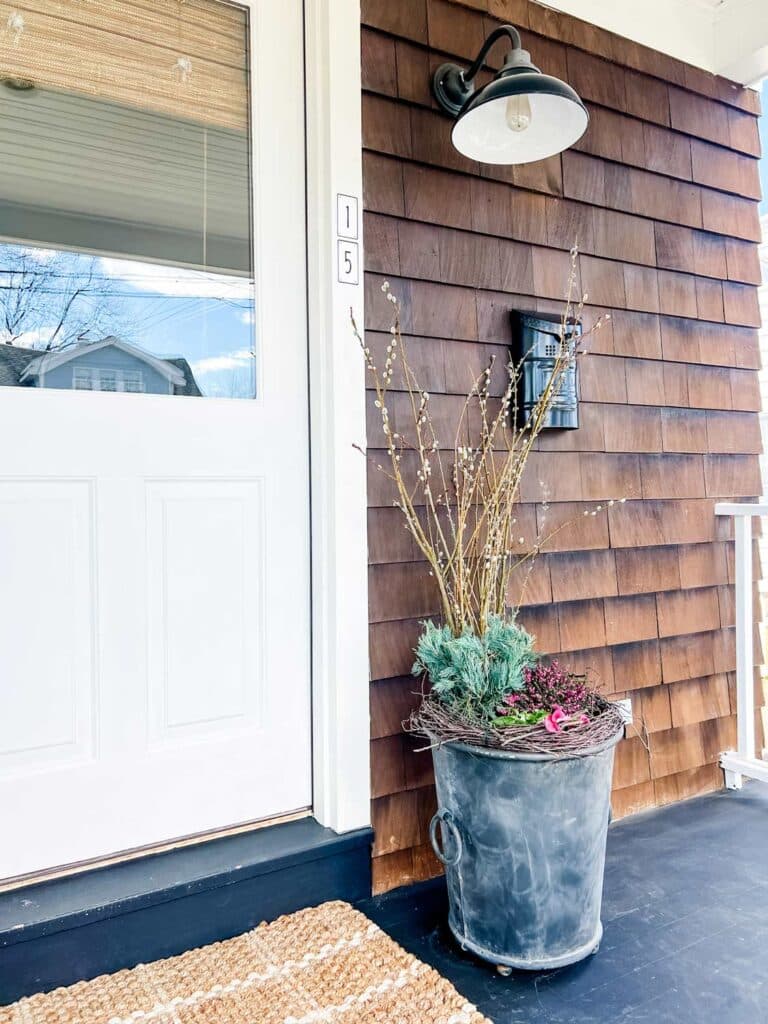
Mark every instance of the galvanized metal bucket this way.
pixel 523 843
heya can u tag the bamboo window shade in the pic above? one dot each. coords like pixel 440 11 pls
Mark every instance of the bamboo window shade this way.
pixel 128 52
pixel 134 138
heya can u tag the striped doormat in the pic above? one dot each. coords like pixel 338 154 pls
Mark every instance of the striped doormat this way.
pixel 326 964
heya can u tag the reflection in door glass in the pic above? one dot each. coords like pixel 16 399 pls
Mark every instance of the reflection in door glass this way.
pixel 125 257
pixel 91 323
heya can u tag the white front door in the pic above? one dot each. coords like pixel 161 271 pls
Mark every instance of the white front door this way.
pixel 154 506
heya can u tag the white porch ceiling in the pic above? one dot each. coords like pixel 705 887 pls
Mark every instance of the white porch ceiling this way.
pixel 727 37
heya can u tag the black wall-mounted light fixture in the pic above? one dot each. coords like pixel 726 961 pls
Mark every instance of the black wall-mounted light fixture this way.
pixel 520 116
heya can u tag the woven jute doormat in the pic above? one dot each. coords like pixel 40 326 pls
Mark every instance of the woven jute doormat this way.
pixel 324 965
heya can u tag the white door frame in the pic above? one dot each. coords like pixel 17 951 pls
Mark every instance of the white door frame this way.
pixel 338 489
pixel 340 677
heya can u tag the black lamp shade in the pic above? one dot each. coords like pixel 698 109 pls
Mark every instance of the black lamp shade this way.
pixel 554 119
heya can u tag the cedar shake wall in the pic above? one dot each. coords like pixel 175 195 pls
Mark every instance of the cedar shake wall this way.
pixel 661 193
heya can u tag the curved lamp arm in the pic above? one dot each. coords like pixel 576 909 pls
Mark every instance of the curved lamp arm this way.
pixel 502 30
pixel 453 86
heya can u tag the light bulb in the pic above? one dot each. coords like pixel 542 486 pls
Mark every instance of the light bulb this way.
pixel 518 113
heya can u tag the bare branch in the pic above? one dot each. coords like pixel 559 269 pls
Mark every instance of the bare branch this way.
pixel 462 516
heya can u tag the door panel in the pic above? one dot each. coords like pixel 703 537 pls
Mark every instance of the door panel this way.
pixel 218 596
pixel 47 621
pixel 154 550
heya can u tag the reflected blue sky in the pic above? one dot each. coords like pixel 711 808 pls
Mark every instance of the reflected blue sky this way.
pixel 51 299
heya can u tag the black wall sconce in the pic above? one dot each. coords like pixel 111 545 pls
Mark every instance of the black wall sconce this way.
pixel 536 339
pixel 520 116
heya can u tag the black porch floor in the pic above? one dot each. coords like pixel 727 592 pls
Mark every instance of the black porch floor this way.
pixel 686 927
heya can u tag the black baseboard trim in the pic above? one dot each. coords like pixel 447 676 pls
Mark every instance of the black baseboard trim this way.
pixel 72 929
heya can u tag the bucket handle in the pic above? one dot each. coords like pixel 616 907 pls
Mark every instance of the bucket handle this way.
pixel 446 818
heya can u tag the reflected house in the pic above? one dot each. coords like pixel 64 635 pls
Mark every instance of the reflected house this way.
pixel 110 364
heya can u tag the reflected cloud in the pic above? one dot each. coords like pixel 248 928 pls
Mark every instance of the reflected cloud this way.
pixel 216 364
pixel 178 282
pixel 37 339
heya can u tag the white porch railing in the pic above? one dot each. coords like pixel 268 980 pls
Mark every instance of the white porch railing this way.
pixel 743 762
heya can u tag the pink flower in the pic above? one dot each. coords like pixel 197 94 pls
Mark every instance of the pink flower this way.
pixel 512 698
pixel 583 719
pixel 554 718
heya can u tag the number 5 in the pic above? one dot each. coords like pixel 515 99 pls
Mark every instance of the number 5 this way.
pixel 348 262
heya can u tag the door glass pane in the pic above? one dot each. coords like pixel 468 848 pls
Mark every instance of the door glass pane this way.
pixel 125 198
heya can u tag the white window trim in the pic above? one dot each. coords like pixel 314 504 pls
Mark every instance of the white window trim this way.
pixel 78 372
pixel 94 374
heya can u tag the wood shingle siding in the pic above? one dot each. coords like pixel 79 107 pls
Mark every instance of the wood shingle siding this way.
pixel 661 196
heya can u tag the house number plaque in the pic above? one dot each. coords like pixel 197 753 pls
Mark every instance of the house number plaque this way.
pixel 347 246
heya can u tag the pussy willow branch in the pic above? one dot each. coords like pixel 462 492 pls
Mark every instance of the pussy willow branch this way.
pixel 462 515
